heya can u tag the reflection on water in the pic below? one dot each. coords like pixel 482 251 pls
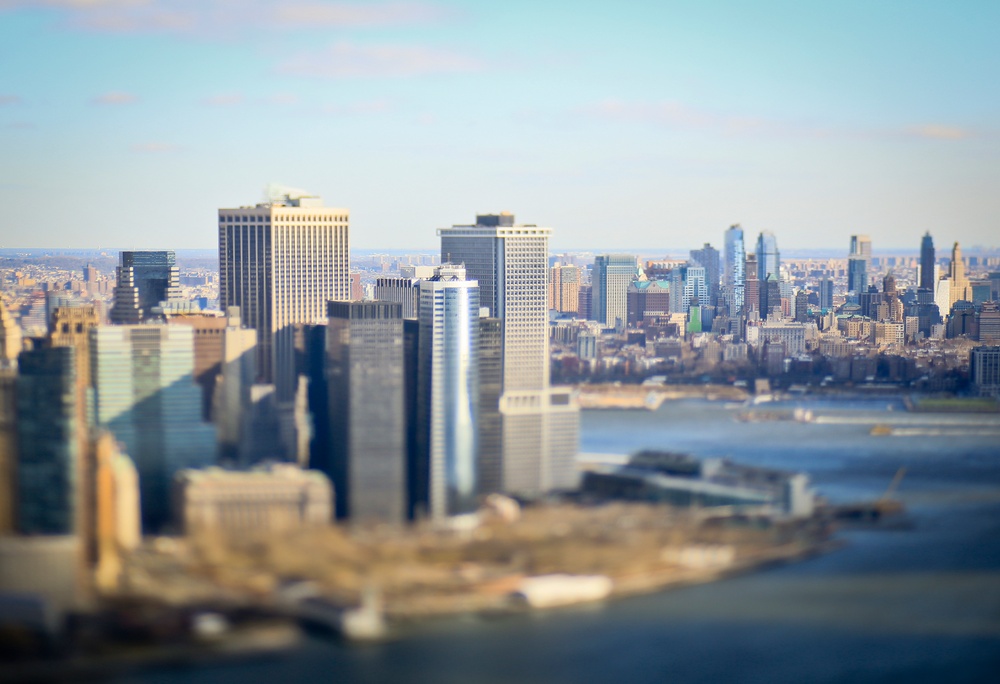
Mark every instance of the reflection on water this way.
pixel 895 605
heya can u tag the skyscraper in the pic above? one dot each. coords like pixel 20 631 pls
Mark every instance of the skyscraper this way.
pixel 751 290
pixel 281 262
pixel 708 258
pixel 612 275
pixel 145 393
pixel 825 293
pixel 49 430
pixel 564 288
pixel 10 338
pixel 367 428
pixel 144 280
pixel 960 290
pixel 768 257
pixel 927 263
pixel 540 424
pixel 733 270
pixel 858 262
pixel 448 391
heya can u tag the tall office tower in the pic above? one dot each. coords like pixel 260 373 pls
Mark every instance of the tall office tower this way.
pixel 405 291
pixel 540 424
pixel 489 467
pixel 145 393
pixel 695 291
pixel 448 392
pixel 281 262
pixel 770 296
pixel 235 375
pixel 708 257
pixel 960 290
pixel 585 303
pixel 144 280
pixel 676 279
pixel 113 520
pixel 564 288
pixel 826 293
pixel 801 306
pixel 751 289
pixel 733 273
pixel 858 262
pixel 367 420
pixel 768 257
pixel 10 338
pixel 49 426
pixel 927 261
pixel 612 275
pixel 8 451
pixel 861 247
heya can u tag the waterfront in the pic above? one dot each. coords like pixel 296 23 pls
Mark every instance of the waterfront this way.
pixel 920 604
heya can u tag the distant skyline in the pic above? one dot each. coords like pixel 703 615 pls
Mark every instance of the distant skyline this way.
pixel 131 122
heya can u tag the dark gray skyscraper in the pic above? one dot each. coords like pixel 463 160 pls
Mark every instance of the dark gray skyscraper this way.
pixel 367 417
pixel 48 426
pixel 144 280
pixel 927 263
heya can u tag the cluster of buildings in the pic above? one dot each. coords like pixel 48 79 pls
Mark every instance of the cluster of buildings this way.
pixel 413 404
pixel 737 312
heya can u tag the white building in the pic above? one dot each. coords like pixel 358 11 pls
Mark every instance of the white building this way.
pixel 280 262
pixel 540 423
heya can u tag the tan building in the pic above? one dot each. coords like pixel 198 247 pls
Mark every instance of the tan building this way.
pixel 115 526
pixel 564 288
pixel 70 327
pixel 8 450
pixel 267 500
pixel 960 290
pixel 10 338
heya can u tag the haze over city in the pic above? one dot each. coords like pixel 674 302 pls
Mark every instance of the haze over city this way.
pixel 129 123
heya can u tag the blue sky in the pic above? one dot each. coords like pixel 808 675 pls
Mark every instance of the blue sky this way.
pixel 127 123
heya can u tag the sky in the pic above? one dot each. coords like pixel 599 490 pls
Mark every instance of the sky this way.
pixel 128 123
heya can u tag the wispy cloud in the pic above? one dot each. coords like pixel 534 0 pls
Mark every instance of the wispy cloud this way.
pixel 224 100
pixel 348 60
pixel 9 100
pixel 223 17
pixel 154 147
pixel 284 99
pixel 939 132
pixel 115 97
pixel 361 107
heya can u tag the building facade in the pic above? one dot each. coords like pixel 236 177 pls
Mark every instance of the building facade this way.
pixel 144 279
pixel 733 273
pixel 367 417
pixel 612 275
pixel 281 262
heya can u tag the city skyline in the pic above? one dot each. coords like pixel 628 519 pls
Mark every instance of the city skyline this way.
pixel 655 121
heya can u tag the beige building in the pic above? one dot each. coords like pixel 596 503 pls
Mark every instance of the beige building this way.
pixel 564 288
pixel 115 527
pixel 265 500
pixel 10 338
pixel 281 262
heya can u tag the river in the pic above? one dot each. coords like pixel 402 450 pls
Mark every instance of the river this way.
pixel 896 605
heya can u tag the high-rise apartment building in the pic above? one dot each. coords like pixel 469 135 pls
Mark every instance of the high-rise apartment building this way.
pixel 733 273
pixel 564 288
pixel 768 256
pixel 858 263
pixel 612 275
pixel 751 288
pixel 367 417
pixel 708 258
pixel 281 262
pixel 448 392
pixel 144 280
pixel 540 424
pixel 145 394
pixel 927 262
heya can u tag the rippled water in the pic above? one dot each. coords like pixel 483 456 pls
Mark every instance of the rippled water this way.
pixel 895 606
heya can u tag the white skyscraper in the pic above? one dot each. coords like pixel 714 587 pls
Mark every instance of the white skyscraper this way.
pixel 540 424
pixel 280 262
pixel 448 389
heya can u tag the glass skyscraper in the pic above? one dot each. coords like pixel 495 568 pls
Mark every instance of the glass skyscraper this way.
pixel 732 270
pixel 927 263
pixel 612 275
pixel 144 280
pixel 768 257
pixel 448 390
pixel 145 393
